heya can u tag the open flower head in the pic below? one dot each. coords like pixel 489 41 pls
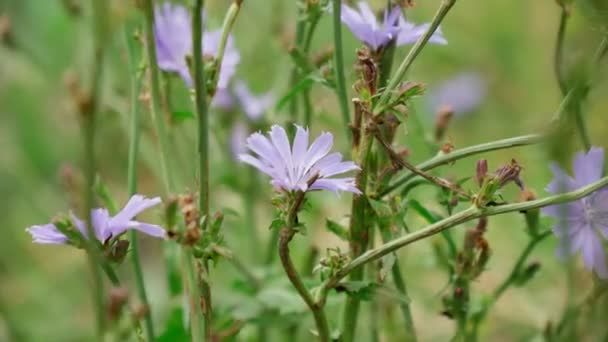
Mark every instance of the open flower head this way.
pixel 365 26
pixel 104 225
pixel 299 167
pixel 581 224
pixel 173 40
pixel 462 94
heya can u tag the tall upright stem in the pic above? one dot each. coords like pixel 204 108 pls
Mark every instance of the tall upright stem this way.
pixel 88 110
pixel 136 78
pixel 339 66
pixel 200 94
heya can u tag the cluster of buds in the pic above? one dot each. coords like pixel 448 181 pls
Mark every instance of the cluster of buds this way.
pixel 191 216
pixel 490 184
pixel 366 85
pixel 331 263
pixel 475 253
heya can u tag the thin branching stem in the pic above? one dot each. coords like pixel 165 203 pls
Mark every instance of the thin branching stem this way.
pixel 134 137
pixel 464 216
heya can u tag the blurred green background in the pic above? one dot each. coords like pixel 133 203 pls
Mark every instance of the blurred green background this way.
pixel 44 289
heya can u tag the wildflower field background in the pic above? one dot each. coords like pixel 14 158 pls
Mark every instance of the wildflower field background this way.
pixel 503 53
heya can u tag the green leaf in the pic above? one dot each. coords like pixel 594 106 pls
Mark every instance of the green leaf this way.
pixel 174 329
pixel 429 216
pixel 336 228
pixel 277 223
pixel 382 209
pixel 182 115
pixel 302 85
pixel 386 264
pixel 360 289
pixel 282 300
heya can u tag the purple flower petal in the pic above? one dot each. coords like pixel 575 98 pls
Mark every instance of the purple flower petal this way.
pixel 462 94
pixel 292 168
pixel 588 167
pixel 253 106
pixel 47 234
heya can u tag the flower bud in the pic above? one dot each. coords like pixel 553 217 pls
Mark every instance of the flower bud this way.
pixel 444 116
pixel 481 171
pixel 118 298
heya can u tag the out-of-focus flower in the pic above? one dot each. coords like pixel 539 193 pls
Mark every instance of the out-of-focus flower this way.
pixel 409 33
pixel 254 106
pixel 299 167
pixel 365 26
pixel 461 94
pixel 104 225
pixel 223 100
pixel 238 139
pixel 173 39
pixel 580 224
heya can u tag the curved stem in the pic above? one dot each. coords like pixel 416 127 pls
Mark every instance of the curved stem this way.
pixel 233 12
pixel 456 219
pixel 444 159
pixel 285 237
pixel 443 10
pixel 136 78
pixel 339 66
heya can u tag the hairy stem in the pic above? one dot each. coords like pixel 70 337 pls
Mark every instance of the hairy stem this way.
pixel 443 10
pixel 455 155
pixel 88 111
pixel 285 236
pixel 170 249
pixel 339 66
pixel 200 94
pixel 136 78
pixel 464 216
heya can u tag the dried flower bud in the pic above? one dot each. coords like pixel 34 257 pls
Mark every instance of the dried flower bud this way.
pixel 118 298
pixel 6 30
pixel 192 236
pixel 80 97
pixel 481 171
pixel 509 173
pixel 447 147
pixel 442 121
pixel 368 71
pixel 527 273
pixel 323 56
pixel 140 311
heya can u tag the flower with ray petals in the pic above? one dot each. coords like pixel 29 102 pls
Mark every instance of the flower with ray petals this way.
pixel 299 167
pixel 365 26
pixel 104 225
pixel 580 224
pixel 173 40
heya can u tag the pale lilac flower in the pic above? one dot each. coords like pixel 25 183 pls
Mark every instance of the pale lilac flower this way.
pixel 238 139
pixel 409 33
pixel 104 225
pixel 173 38
pixel 365 26
pixel 223 100
pixel 254 106
pixel 461 94
pixel 293 167
pixel 580 224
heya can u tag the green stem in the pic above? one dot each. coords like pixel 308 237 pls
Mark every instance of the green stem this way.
pixel 308 109
pixel 339 67
pixel 469 214
pixel 455 155
pixel 200 94
pixel 285 236
pixel 410 331
pixel 170 249
pixel 233 12
pixel 359 235
pixel 136 78
pixel 517 269
pixel 443 10
pixel 89 114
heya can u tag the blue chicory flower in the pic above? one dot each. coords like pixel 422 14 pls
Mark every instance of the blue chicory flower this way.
pixel 461 94
pixel 292 168
pixel 104 225
pixel 254 106
pixel 173 38
pixel 580 224
pixel 365 26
